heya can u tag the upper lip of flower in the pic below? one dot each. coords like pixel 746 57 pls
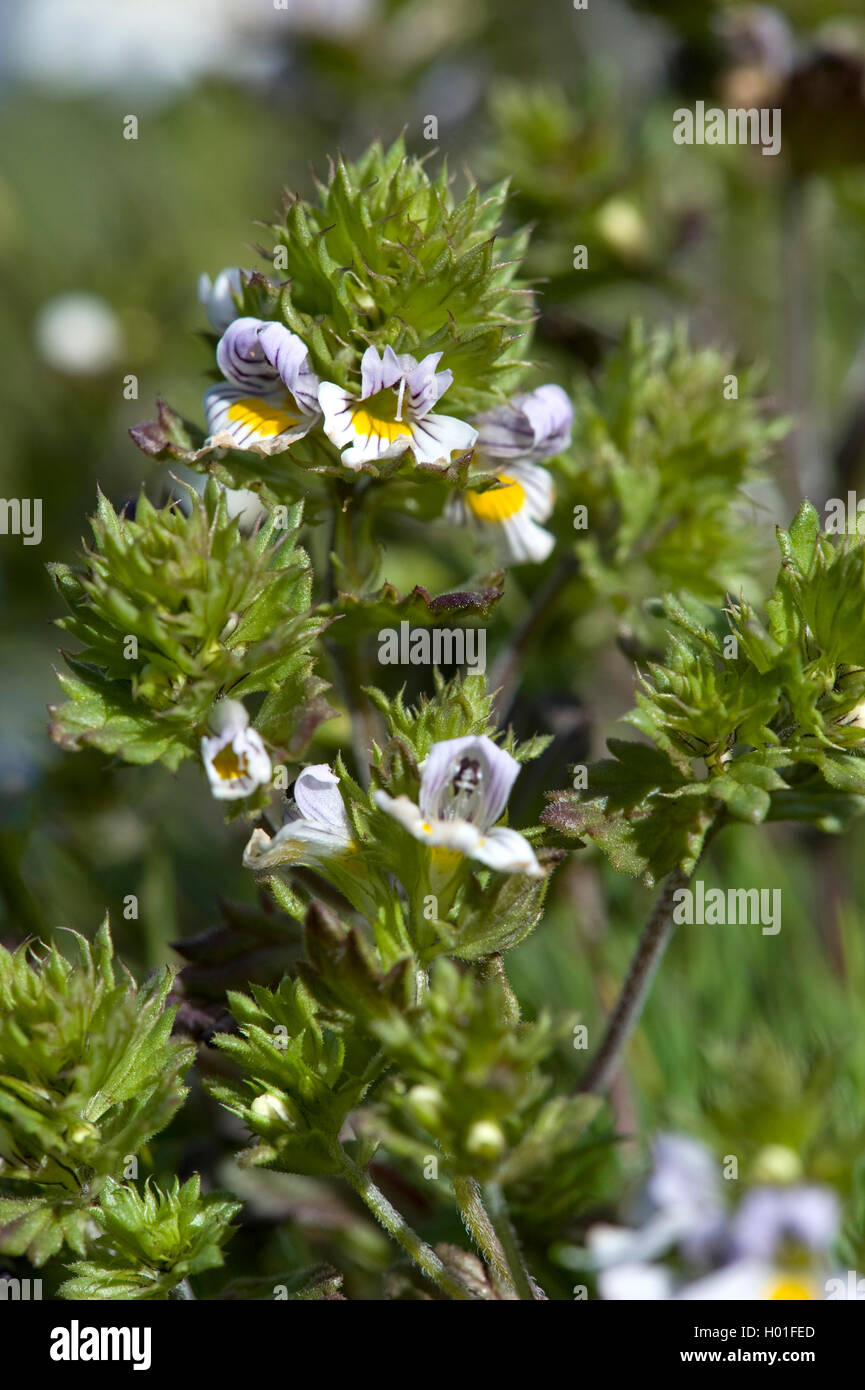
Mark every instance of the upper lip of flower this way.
pixel 400 393
pixel 465 784
pixel 534 425
pixel 316 827
pixel 270 398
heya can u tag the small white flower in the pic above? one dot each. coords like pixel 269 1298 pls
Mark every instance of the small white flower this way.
pixel 217 296
pixel 507 516
pixel 465 784
pixel 78 334
pixel 270 398
pixel 316 828
pixel 392 414
pixel 533 426
pixel 234 756
pixel 684 1207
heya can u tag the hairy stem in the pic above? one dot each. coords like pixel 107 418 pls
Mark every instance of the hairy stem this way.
pixel 496 1205
pixel 624 1018
pixel 347 661
pixel 483 1233
pixel 384 1212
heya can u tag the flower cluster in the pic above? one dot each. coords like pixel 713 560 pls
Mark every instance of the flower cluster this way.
pixel 272 398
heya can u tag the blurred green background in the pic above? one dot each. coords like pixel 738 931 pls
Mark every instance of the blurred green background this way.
pixel 747 1039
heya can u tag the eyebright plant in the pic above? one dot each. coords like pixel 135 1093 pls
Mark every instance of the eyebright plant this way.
pixel 376 389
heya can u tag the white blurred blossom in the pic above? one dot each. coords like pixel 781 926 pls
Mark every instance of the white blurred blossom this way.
pixel 78 334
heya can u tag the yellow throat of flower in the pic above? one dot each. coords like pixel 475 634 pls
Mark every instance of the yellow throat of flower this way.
pixel 497 504
pixel 262 417
pixel 230 766
pixel 366 424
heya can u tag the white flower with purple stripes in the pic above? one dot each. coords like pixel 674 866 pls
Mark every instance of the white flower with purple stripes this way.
pixel 270 396
pixel 316 826
pixel 465 785
pixel 393 413
pixel 511 438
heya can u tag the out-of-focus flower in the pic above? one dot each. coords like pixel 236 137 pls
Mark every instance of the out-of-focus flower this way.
pixel 533 426
pixel 142 47
pixel 684 1208
pixel 78 334
pixel 233 754
pixel 761 50
pixel 270 397
pixel 217 296
pixel 770 1217
pixel 392 414
pixel 316 826
pixel 465 785
pixel 775 1246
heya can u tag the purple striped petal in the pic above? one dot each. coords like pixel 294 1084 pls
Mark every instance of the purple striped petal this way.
pixel 467 779
pixel 242 359
pixel 378 372
pixel 535 426
pixel 289 356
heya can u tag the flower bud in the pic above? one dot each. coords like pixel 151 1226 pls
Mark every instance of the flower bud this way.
pixel 485 1139
pixel 776 1163
pixel 81 1133
pixel 425 1103
pixel 270 1106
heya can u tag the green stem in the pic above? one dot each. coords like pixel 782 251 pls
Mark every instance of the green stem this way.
pixel 496 1205
pixel 423 1255
pixel 183 1290
pixel 483 1233
pixel 625 1016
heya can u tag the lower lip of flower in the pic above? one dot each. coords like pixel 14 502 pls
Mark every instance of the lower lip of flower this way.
pixel 263 418
pixel 391 430
pixel 497 503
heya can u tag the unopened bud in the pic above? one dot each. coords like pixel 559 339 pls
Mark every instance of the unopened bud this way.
pixel 81 1133
pixel 425 1103
pixel 270 1106
pixel 485 1139
pixel 775 1163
